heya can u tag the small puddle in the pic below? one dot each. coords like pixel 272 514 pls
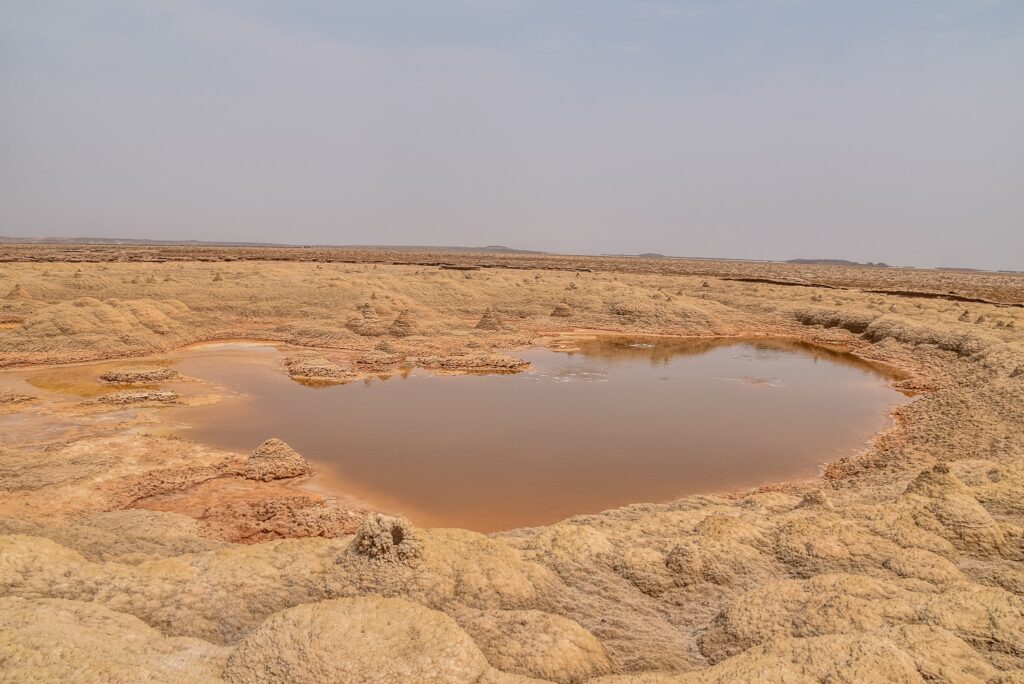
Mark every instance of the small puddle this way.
pixel 618 422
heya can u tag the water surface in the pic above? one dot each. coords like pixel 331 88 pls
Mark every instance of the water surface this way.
pixel 619 422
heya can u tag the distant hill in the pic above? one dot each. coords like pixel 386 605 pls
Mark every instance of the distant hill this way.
pixel 140 242
pixel 837 262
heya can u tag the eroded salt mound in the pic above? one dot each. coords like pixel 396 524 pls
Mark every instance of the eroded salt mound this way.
pixel 490 321
pixel 274 460
pixel 386 538
pixel 561 311
pixel 403 325
pixel 367 323
pixel 18 292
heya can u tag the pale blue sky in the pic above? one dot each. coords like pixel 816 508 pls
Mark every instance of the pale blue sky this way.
pixel 868 130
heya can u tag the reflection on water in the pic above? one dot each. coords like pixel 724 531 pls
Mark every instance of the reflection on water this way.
pixel 620 421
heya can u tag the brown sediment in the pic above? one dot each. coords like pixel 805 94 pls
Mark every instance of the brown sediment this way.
pixel 906 559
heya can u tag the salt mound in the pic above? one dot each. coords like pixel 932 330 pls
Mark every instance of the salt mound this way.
pixel 562 311
pixel 274 460
pixel 403 325
pixel 385 538
pixel 490 321
pixel 367 323
pixel 18 292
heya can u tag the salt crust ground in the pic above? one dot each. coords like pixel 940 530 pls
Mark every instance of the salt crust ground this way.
pixel 904 563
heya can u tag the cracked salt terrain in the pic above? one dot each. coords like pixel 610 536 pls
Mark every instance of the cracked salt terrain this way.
pixel 129 553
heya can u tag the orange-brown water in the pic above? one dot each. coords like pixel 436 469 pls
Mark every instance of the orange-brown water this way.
pixel 619 422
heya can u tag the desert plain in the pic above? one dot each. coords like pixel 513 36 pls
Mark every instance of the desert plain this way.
pixel 129 554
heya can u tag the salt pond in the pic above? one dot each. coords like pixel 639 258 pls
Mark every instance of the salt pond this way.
pixel 620 421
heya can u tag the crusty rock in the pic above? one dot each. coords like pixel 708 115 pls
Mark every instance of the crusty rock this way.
pixel 274 460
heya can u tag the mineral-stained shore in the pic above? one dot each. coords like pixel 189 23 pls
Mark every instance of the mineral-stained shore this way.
pixel 902 563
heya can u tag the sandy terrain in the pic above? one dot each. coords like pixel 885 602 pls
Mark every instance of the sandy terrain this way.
pixel 128 555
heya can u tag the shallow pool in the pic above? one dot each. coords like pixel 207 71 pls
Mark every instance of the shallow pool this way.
pixel 620 421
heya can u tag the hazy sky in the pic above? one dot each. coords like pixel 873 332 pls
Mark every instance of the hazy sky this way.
pixel 868 129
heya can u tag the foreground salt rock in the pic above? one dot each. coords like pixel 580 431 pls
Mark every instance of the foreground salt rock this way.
pixel 274 460
pixel 368 639
pixel 56 640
